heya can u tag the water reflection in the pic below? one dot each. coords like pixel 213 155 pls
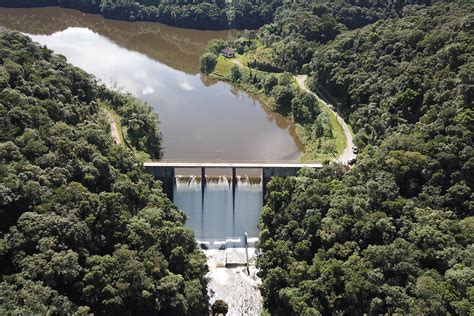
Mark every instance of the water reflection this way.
pixel 178 48
pixel 200 119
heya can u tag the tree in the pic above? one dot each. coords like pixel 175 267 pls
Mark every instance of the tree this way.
pixel 270 82
pixel 215 46
pixel 283 96
pixel 208 63
pixel 235 73
pixel 304 108
pixel 29 297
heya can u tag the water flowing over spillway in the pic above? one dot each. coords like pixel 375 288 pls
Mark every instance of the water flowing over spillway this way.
pixel 160 65
pixel 219 220
pixel 215 215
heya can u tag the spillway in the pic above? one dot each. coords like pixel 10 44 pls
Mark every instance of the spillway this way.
pixel 217 218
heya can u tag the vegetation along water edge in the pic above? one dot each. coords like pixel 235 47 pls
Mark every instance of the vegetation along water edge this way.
pixel 395 233
pixel 83 228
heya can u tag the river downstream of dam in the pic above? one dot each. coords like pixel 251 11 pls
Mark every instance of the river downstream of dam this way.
pixel 201 120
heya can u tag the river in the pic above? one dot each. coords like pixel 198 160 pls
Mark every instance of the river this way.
pixel 201 119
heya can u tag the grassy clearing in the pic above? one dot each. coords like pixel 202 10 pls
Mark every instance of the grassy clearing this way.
pixel 338 139
pixel 337 129
pixel 117 119
pixel 312 146
pixel 122 130
pixel 242 59
pixel 223 67
pixel 312 150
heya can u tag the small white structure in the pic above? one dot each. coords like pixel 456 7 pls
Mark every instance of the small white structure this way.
pixel 228 52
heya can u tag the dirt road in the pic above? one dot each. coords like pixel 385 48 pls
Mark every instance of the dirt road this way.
pixel 347 154
pixel 113 128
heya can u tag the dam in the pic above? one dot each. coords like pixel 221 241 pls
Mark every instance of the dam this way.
pixel 222 200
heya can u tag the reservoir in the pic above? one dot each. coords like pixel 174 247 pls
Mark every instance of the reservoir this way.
pixel 201 119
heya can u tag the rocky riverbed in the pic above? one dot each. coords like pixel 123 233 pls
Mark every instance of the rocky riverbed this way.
pixel 232 284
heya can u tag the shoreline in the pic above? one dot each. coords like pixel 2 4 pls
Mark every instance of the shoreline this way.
pixel 268 103
pixel 98 12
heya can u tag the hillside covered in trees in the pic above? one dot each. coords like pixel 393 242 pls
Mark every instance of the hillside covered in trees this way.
pixel 240 14
pixel 395 234
pixel 83 229
pixel 294 43
pixel 197 14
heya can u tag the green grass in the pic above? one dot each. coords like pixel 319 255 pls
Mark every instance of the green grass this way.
pixel 223 67
pixel 242 58
pixel 117 120
pixel 311 152
pixel 140 155
pixel 294 83
pixel 337 130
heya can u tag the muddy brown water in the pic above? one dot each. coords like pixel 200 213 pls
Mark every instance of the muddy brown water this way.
pixel 201 119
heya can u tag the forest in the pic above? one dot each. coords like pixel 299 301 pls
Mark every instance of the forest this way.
pixel 239 14
pixel 196 14
pixel 83 228
pixel 394 234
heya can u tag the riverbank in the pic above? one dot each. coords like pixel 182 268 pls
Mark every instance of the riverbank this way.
pixel 200 16
pixel 132 11
pixel 326 137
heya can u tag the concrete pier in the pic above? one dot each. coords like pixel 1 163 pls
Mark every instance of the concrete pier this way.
pixel 234 185
pixel 166 176
pixel 203 184
pixel 269 172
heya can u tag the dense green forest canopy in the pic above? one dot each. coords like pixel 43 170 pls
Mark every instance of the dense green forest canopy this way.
pixel 83 227
pixel 198 14
pixel 395 234
pixel 240 14
pixel 299 29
